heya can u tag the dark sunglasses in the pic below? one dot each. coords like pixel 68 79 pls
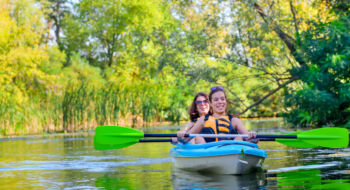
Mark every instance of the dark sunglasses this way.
pixel 219 87
pixel 202 102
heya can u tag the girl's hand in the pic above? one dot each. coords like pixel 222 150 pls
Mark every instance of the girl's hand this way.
pixel 255 141
pixel 181 134
pixel 252 135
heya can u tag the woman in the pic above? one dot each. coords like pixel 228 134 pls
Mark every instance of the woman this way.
pixel 199 107
pixel 218 122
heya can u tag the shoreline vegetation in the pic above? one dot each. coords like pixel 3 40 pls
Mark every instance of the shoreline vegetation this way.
pixel 80 108
pixel 9 137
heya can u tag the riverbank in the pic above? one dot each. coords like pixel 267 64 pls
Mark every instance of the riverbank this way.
pixel 154 124
pixel 157 125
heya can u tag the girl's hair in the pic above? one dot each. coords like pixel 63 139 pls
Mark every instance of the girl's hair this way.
pixel 218 89
pixel 193 109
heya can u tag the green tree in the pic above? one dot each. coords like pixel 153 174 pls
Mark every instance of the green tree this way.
pixel 98 30
pixel 261 35
pixel 324 95
pixel 230 46
pixel 20 51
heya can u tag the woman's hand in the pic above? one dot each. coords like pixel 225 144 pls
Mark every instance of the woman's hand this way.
pixel 251 135
pixel 181 134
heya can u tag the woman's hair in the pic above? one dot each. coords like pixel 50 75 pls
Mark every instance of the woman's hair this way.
pixel 193 109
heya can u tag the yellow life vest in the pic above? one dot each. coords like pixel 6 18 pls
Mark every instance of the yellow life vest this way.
pixel 219 126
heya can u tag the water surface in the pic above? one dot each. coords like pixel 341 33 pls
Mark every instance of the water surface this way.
pixel 71 162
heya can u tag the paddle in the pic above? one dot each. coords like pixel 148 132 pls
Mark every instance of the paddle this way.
pixel 295 142
pixel 119 137
pixel 118 146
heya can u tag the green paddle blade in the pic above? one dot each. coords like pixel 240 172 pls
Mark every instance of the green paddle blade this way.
pixel 326 137
pixel 295 142
pixel 111 146
pixel 107 135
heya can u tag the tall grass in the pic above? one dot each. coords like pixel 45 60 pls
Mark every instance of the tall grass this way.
pixel 81 108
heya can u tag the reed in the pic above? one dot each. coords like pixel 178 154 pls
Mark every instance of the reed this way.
pixel 79 107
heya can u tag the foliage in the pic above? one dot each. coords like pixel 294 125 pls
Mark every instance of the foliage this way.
pixel 324 96
pixel 20 51
pixel 136 62
pixel 99 29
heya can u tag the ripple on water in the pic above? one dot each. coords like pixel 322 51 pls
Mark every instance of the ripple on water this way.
pixel 92 166
pixel 7 168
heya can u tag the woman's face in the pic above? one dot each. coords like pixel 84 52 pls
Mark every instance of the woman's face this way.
pixel 202 105
pixel 218 102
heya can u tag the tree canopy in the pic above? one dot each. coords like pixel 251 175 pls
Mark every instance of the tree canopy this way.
pixel 95 62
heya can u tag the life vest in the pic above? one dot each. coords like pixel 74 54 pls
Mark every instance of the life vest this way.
pixel 218 126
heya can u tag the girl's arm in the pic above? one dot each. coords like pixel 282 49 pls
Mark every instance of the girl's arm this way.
pixel 197 127
pixel 188 126
pixel 183 132
pixel 238 125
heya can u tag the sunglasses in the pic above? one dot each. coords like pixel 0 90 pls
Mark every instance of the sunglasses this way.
pixel 219 87
pixel 202 102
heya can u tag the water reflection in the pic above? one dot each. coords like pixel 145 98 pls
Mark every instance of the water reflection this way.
pixel 192 180
pixel 299 179
pixel 304 179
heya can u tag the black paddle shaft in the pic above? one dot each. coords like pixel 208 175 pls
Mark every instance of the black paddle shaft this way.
pixel 169 140
pixel 188 135
pixel 155 140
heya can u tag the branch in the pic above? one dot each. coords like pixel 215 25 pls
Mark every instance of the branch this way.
pixel 249 77
pixel 295 20
pixel 236 96
pixel 251 67
pixel 288 40
pixel 259 87
pixel 270 93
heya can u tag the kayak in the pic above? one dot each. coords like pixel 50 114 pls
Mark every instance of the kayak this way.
pixel 221 157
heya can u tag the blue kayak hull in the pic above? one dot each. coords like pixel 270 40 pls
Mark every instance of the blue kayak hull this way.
pixel 223 157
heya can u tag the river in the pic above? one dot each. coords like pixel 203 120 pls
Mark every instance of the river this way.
pixel 70 162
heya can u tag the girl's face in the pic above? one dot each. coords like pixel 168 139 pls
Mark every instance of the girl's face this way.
pixel 218 102
pixel 202 105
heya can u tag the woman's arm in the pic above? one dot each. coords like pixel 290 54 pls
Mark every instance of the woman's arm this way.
pixel 183 132
pixel 188 126
pixel 197 127
pixel 238 125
